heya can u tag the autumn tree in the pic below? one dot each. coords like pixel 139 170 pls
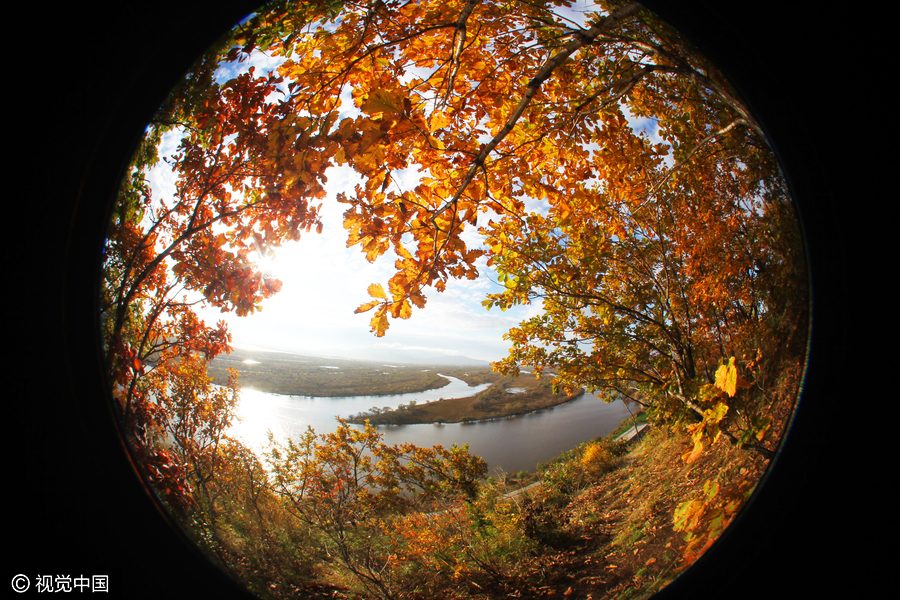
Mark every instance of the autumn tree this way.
pixel 359 492
pixel 234 199
pixel 655 261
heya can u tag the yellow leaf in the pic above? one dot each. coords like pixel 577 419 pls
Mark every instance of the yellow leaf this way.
pixel 379 323
pixel 715 414
pixel 417 299
pixel 726 378
pixel 711 490
pixel 376 291
pixel 692 455
pixel 438 120
pixel 405 310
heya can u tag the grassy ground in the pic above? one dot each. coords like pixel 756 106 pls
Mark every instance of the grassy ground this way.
pixel 611 535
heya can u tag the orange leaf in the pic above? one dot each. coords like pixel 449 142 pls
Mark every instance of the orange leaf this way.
pixel 367 306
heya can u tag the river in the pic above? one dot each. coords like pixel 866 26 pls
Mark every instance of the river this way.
pixel 509 444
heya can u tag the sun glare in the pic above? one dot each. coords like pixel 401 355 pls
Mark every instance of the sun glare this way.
pixel 256 419
pixel 265 263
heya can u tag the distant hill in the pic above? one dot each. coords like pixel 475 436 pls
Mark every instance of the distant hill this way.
pixel 385 354
pixel 414 357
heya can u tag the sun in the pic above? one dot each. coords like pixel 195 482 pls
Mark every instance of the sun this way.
pixel 263 258
pixel 265 263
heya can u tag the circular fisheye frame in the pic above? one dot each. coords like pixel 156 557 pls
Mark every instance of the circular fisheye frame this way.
pixel 475 299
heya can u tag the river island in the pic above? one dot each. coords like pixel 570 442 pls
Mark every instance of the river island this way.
pixel 506 397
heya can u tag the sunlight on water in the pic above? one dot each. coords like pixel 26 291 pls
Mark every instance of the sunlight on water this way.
pixel 257 416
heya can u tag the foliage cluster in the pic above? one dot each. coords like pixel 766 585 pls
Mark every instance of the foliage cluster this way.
pixel 346 511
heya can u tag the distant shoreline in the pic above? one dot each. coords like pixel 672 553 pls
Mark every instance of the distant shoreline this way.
pixel 290 374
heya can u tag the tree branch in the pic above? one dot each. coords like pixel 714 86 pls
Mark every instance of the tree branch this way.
pixel 700 144
pixel 578 41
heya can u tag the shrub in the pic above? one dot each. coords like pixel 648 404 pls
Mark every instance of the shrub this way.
pixel 596 459
pixel 599 457
pixel 561 479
